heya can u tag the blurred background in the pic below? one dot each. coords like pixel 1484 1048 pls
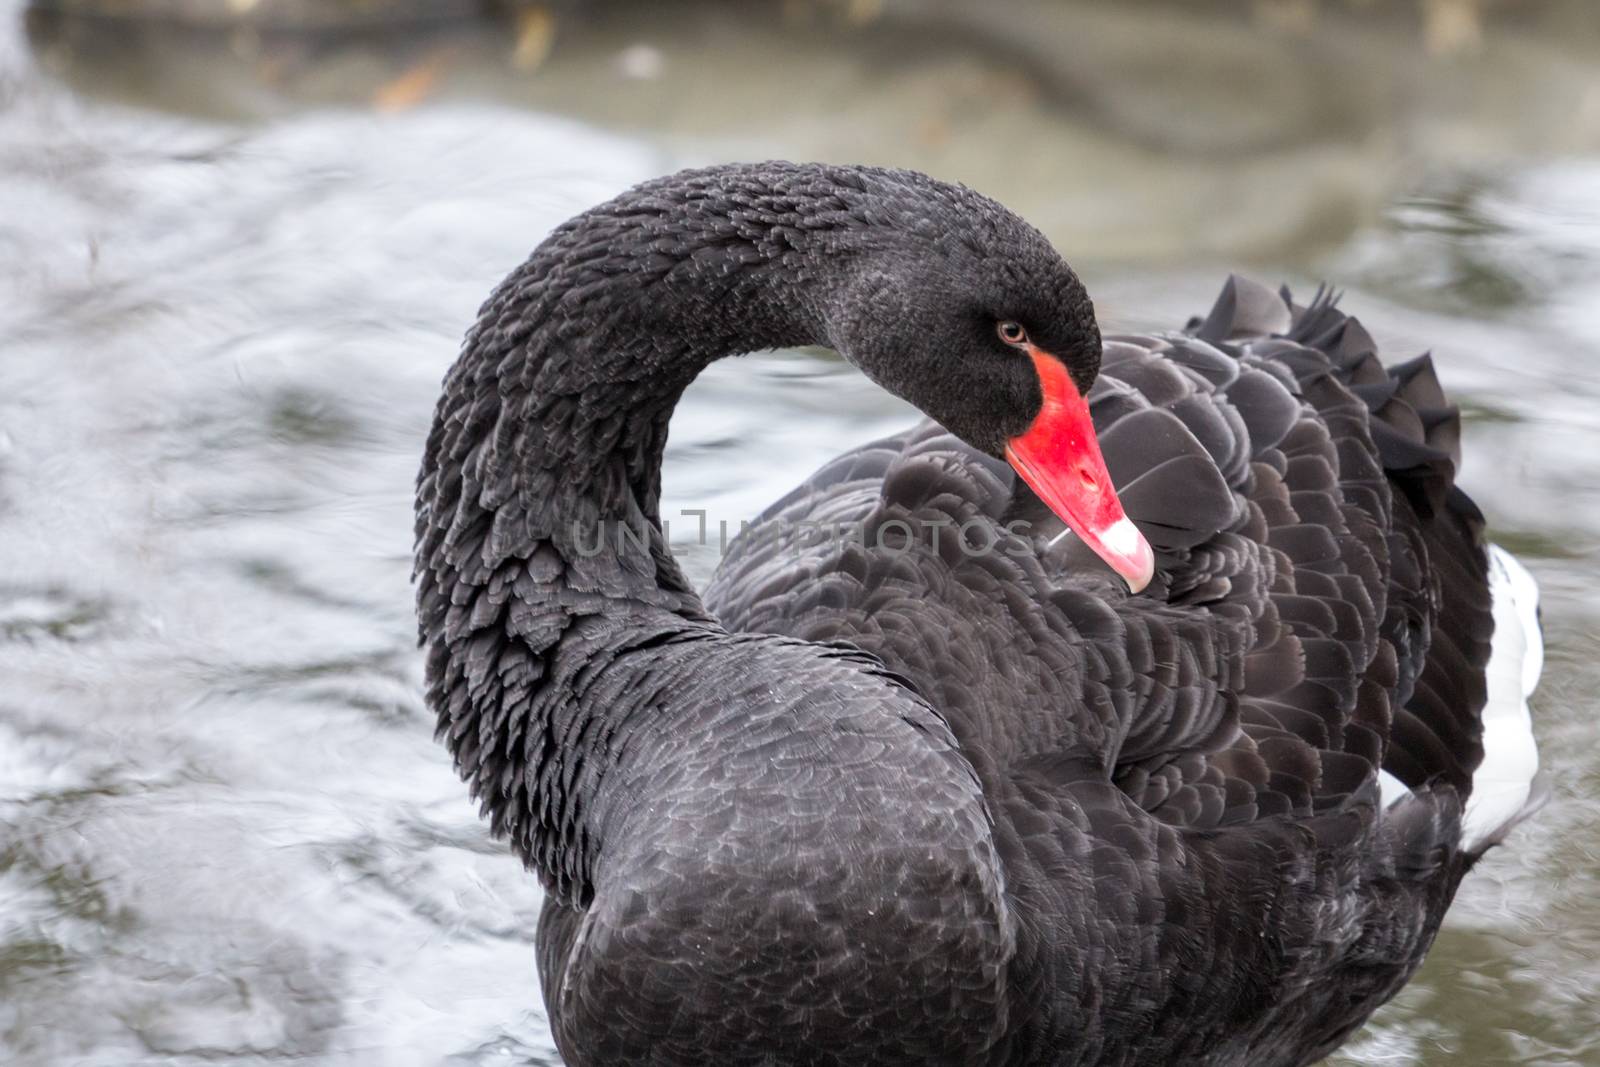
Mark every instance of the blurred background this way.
pixel 240 241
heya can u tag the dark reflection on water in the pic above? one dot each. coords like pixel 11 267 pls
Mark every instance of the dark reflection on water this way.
pixel 225 832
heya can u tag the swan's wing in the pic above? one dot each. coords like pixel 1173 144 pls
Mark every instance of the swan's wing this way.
pixel 1321 608
pixel 1360 565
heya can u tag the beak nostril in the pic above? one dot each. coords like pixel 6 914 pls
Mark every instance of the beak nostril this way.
pixel 1087 477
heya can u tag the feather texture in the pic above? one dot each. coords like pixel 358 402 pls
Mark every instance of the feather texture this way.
pixel 1320 616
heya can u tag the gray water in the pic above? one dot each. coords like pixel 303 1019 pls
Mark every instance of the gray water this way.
pixel 233 269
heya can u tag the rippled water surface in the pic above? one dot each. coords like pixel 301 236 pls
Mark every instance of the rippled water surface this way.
pixel 233 269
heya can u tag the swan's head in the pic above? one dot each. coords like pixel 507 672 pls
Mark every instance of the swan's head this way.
pixel 976 320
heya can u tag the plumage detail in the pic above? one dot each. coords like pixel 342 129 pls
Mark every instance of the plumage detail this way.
pixel 1329 654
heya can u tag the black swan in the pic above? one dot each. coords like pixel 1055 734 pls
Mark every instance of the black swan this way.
pixel 943 787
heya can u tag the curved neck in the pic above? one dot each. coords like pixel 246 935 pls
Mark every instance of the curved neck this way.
pixel 540 561
pixel 561 398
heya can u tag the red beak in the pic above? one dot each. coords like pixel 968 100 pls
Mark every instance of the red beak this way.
pixel 1060 458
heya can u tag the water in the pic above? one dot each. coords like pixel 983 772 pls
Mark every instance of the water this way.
pixel 234 269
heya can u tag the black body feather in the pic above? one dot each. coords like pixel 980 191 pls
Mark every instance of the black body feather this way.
pixel 949 795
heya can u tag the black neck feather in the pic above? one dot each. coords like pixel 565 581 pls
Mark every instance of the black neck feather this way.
pixel 548 440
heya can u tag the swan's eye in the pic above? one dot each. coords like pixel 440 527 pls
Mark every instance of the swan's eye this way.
pixel 1012 333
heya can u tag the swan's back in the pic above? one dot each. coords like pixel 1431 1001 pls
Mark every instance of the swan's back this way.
pixel 1271 752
